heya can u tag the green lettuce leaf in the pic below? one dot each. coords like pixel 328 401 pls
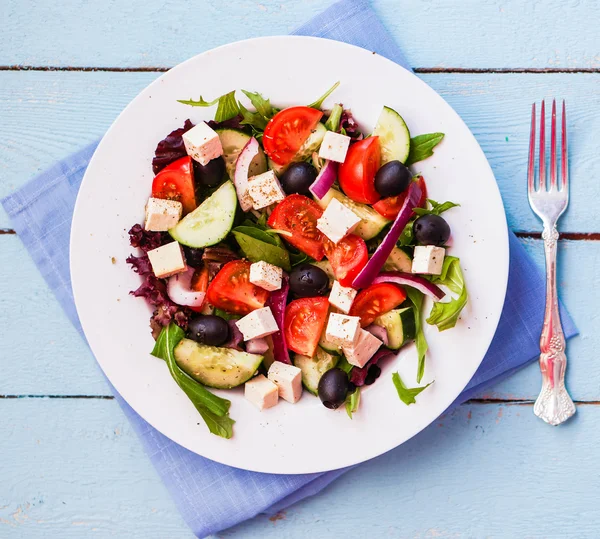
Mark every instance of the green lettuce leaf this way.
pixel 436 208
pixel 259 245
pixel 227 106
pixel 421 147
pixel 262 105
pixel 445 315
pixel 333 122
pixel 352 402
pixel 214 410
pixel 319 102
pixel 416 299
pixel 407 394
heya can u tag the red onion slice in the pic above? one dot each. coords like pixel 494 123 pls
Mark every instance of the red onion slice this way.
pixel 380 332
pixel 258 345
pixel 376 262
pixel 240 176
pixel 408 279
pixel 324 180
pixel 277 302
pixel 180 291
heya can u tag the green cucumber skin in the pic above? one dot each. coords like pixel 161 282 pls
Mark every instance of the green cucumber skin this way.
pixel 233 142
pixel 230 368
pixel 394 136
pixel 313 368
pixel 198 235
pixel 400 326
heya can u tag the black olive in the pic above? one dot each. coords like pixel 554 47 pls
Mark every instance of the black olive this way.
pixel 211 174
pixel 298 178
pixel 307 280
pixel 193 257
pixel 333 388
pixel 208 329
pixel 372 374
pixel 431 230
pixel 392 179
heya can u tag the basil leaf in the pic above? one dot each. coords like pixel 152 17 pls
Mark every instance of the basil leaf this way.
pixel 436 208
pixel 258 234
pixel 421 147
pixel 416 299
pixel 256 250
pixel 407 394
pixel 214 410
pixel 445 315
pixel 262 105
pixel 333 122
pixel 299 258
pixel 352 402
pixel 319 102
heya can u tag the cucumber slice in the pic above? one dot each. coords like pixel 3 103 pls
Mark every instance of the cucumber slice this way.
pixel 329 346
pixel 325 265
pixel 400 326
pixel 314 367
pixel 394 136
pixel 398 261
pixel 222 368
pixel 371 224
pixel 312 144
pixel 233 142
pixel 210 222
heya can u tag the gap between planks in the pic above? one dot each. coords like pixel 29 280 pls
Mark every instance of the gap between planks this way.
pixel 422 70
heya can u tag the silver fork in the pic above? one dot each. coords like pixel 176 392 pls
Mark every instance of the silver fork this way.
pixel 554 405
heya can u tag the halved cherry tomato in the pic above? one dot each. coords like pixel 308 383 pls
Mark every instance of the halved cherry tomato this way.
pixel 199 283
pixel 376 300
pixel 176 182
pixel 287 131
pixel 232 291
pixel 347 258
pixel 390 207
pixel 357 172
pixel 303 324
pixel 298 215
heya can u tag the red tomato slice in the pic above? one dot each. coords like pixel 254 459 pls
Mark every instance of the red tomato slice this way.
pixel 357 172
pixel 390 207
pixel 176 182
pixel 200 284
pixel 298 215
pixel 304 322
pixel 232 291
pixel 376 300
pixel 287 131
pixel 347 258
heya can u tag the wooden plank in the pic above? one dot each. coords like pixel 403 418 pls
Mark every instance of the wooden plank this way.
pixel 74 468
pixel 47 115
pixel 58 362
pixel 471 33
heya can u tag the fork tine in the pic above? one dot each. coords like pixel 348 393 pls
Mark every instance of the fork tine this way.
pixel 542 181
pixel 531 168
pixel 553 165
pixel 564 157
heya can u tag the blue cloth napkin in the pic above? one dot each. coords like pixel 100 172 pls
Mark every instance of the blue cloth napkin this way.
pixel 211 496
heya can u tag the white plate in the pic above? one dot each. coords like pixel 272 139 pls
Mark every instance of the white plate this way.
pixel 304 437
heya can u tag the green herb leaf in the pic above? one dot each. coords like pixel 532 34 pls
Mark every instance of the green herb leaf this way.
pixel 214 410
pixel 228 107
pixel 199 103
pixel 407 394
pixel 421 147
pixel 344 365
pixel 262 105
pixel 406 237
pixel 352 402
pixel 225 315
pixel 416 298
pixel 256 250
pixel 445 315
pixel 319 102
pixel 254 119
pixel 333 122
pixel 436 208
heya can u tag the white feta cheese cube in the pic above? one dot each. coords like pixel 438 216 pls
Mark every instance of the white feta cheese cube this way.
pixel 261 392
pixel 342 329
pixel 258 323
pixel 266 275
pixel 202 143
pixel 265 190
pixel 167 260
pixel 362 349
pixel 288 379
pixel 162 214
pixel 428 259
pixel 334 147
pixel 337 221
pixel 341 297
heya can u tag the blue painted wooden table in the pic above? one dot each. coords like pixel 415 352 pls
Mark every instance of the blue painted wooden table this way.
pixel 71 466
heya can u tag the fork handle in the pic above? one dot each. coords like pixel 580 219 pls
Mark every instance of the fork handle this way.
pixel 554 405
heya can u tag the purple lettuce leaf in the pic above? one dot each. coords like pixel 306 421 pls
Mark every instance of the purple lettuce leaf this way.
pixel 170 148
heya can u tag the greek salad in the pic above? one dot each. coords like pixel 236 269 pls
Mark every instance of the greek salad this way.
pixel 289 251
